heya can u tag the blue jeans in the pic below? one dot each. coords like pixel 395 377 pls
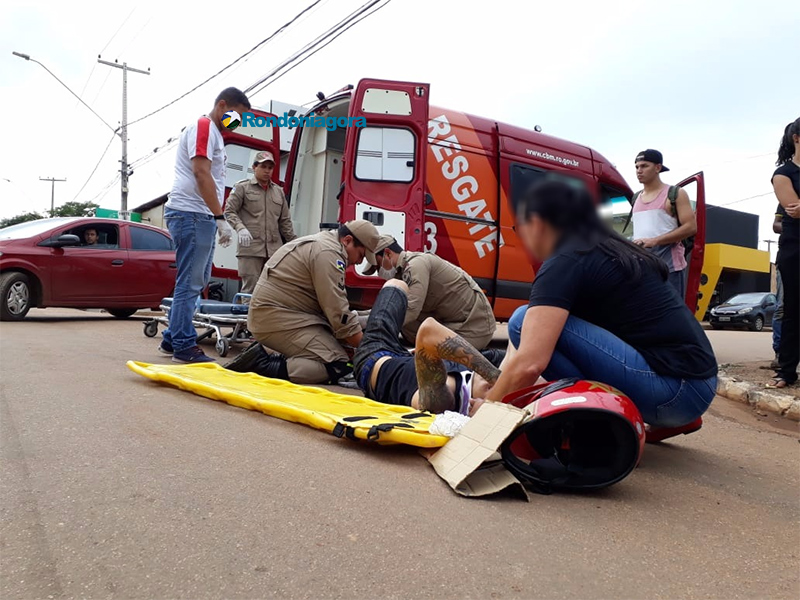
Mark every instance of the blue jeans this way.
pixel 589 352
pixel 193 234
pixel 776 335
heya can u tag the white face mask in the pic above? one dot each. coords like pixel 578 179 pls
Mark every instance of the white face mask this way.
pixel 386 273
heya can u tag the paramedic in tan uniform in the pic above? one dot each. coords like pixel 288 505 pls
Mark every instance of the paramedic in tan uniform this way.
pixel 300 309
pixel 257 210
pixel 437 289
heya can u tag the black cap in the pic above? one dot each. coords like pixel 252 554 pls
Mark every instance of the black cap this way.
pixel 653 156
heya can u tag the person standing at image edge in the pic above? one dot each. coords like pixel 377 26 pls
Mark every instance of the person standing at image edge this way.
pixel 786 183
pixel 194 215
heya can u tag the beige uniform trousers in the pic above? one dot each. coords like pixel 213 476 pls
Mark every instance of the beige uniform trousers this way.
pixel 250 268
pixel 307 349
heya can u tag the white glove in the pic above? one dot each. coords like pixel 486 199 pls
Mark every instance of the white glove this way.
pixel 245 239
pixel 225 233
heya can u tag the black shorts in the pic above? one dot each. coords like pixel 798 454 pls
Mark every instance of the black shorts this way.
pixel 397 379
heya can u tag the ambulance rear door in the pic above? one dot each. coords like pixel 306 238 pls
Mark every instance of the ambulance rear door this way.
pixel 697 298
pixel 384 172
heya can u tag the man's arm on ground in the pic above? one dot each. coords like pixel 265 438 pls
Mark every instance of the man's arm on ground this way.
pixel 540 332
pixel 201 167
pixel 686 218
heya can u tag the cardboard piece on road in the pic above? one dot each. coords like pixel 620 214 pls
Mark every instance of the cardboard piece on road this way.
pixel 470 462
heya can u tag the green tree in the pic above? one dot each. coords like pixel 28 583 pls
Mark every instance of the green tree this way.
pixel 74 209
pixel 23 218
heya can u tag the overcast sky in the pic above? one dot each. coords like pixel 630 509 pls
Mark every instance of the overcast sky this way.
pixel 710 83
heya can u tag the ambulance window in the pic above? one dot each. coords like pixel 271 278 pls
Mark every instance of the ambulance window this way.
pixel 385 154
pixel 523 177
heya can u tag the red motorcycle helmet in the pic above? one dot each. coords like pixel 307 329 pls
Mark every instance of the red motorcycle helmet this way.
pixel 582 435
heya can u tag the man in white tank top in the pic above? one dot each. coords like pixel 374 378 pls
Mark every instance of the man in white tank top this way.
pixel 655 226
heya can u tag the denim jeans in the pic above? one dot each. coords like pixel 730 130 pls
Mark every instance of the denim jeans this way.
pixel 776 335
pixel 587 351
pixel 193 234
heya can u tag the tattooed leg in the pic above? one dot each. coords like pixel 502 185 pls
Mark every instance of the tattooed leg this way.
pixel 432 381
pixel 444 344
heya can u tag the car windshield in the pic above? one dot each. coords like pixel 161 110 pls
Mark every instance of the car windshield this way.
pixel 754 298
pixel 29 229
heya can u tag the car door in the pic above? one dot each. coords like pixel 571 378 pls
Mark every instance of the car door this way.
pixel 151 263
pixel 384 174
pixel 88 276
pixel 698 292
pixel 770 304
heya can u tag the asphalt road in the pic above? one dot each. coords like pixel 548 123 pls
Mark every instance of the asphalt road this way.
pixel 113 487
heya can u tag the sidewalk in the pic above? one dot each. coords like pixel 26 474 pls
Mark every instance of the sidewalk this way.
pixel 745 383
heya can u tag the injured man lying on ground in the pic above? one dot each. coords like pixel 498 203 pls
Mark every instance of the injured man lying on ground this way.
pixel 444 372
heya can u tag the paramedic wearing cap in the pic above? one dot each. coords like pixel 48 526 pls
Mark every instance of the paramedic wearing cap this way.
pixel 437 289
pixel 257 210
pixel 656 226
pixel 300 309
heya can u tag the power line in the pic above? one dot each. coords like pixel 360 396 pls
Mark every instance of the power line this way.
pixel 133 39
pixel 102 156
pixel 253 49
pixel 111 39
pixel 117 31
pixel 743 199
pixel 349 21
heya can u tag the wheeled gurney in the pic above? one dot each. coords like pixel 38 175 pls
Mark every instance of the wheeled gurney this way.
pixel 212 317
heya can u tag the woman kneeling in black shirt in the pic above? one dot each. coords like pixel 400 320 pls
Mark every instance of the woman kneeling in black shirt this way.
pixel 601 309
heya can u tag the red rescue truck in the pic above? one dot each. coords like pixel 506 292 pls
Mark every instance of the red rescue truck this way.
pixel 438 180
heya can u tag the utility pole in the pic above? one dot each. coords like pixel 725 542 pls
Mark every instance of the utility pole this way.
pixel 52 192
pixel 124 130
pixel 769 245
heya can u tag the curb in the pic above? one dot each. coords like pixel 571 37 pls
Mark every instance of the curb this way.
pixel 757 397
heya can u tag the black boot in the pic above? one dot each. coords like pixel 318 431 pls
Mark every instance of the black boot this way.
pixel 257 360
pixel 494 356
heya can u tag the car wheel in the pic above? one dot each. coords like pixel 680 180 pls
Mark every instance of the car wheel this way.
pixel 15 296
pixel 758 324
pixel 121 313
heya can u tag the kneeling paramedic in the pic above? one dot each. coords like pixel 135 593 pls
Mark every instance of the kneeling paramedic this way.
pixel 437 289
pixel 299 307
pixel 444 373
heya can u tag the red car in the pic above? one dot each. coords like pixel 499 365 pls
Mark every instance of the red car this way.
pixel 120 266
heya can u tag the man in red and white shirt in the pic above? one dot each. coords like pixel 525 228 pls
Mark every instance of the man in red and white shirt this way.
pixel 193 215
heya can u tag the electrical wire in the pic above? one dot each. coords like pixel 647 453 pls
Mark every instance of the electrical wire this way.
pixel 117 31
pixel 253 49
pixel 743 199
pixel 366 10
pixel 111 39
pixel 343 25
pixel 102 156
pixel 100 195
pixel 133 39
pixel 320 48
